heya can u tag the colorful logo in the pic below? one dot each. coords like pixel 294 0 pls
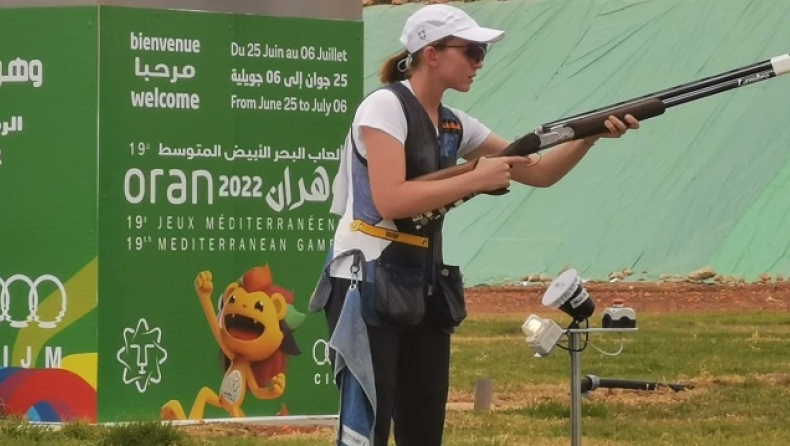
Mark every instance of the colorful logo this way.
pixel 52 395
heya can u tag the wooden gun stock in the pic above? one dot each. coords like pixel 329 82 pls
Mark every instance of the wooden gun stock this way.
pixel 538 140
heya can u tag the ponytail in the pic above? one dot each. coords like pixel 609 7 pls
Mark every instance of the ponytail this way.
pixel 400 66
pixel 394 69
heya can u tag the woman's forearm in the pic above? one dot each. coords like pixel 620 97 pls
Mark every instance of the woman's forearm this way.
pixel 554 165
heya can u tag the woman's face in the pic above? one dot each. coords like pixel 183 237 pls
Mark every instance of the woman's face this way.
pixel 458 61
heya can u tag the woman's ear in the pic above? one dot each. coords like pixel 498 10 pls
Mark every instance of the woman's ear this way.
pixel 430 55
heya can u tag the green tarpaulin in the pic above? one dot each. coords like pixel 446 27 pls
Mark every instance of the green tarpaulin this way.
pixel 705 184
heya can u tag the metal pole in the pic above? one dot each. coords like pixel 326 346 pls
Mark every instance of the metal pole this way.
pixel 576 388
pixel 575 345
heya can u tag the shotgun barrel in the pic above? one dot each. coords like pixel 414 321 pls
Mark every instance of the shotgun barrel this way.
pixel 592 122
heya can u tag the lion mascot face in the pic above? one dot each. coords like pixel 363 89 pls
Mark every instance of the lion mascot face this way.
pixel 252 317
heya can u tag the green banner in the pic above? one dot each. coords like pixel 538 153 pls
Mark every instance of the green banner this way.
pixel 48 267
pixel 197 212
pixel 219 139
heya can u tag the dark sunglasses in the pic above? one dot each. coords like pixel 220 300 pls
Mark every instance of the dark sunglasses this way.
pixel 474 51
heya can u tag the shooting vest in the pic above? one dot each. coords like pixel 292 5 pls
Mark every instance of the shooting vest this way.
pixel 426 152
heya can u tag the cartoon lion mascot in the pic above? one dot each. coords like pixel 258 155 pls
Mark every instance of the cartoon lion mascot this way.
pixel 253 329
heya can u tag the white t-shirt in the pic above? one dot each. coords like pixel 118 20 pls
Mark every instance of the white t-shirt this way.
pixel 380 110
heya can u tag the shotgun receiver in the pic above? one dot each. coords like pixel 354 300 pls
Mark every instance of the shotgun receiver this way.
pixel 592 122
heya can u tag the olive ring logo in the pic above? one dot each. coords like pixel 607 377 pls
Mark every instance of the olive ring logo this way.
pixel 32 301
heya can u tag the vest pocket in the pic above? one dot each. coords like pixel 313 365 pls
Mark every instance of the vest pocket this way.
pixel 451 282
pixel 399 293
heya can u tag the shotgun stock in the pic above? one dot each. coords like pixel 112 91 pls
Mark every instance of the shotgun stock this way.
pixel 541 139
pixel 592 122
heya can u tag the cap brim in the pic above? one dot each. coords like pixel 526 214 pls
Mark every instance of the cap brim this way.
pixel 482 35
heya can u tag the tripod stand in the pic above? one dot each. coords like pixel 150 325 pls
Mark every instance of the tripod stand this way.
pixel 575 350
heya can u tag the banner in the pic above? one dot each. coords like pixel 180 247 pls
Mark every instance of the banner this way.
pixel 219 139
pixel 48 266
pixel 198 215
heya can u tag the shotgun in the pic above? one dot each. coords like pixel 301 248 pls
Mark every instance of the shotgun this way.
pixel 592 122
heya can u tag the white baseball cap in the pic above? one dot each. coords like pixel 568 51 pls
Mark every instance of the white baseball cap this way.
pixel 433 22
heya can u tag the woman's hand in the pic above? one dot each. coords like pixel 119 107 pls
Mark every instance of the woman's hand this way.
pixel 494 173
pixel 616 127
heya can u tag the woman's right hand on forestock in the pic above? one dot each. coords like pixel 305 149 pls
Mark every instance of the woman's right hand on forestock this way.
pixel 494 173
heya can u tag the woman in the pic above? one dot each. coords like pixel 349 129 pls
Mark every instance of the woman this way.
pixel 411 301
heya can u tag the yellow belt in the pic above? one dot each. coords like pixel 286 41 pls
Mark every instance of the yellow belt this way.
pixel 387 234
